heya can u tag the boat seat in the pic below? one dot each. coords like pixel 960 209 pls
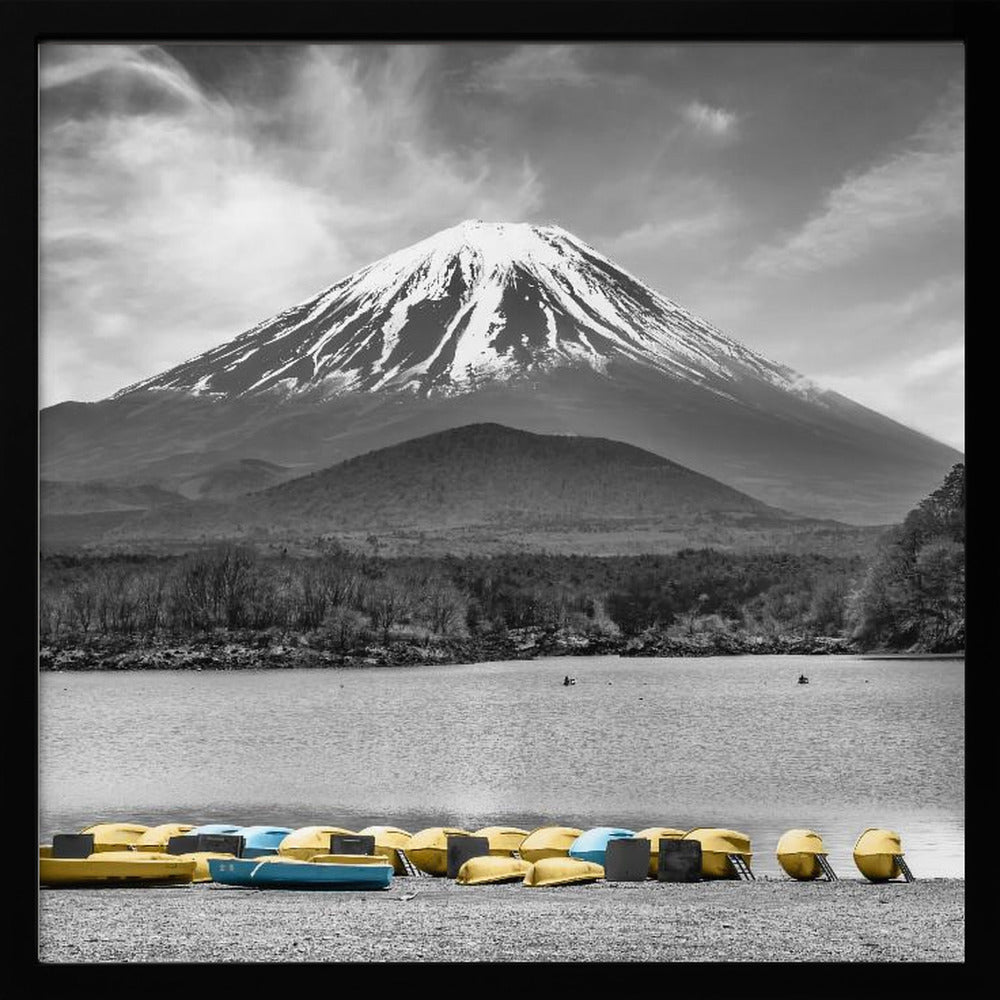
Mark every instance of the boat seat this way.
pixel 72 845
pixel 679 861
pixel 627 860
pixel 342 843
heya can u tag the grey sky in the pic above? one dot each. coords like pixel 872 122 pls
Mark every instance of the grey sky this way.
pixel 807 199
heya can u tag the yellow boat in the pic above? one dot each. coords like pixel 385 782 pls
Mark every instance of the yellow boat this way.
pixel 877 854
pixel 156 838
pixel 716 846
pixel 798 854
pixel 562 871
pixel 307 841
pixel 348 859
pixel 115 836
pixel 200 859
pixel 428 849
pixel 493 868
pixel 548 842
pixel 389 840
pixel 45 850
pixel 122 869
pixel 503 839
pixel 654 834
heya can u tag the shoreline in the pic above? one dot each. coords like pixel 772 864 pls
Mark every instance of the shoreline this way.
pixel 263 651
pixel 434 919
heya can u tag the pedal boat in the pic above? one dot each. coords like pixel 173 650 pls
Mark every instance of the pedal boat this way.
pixel 308 841
pixel 115 836
pixel 156 838
pixel 322 871
pixel 492 868
pixel 716 846
pixel 548 842
pixel 798 854
pixel 592 845
pixel 428 849
pixel 261 840
pixel 116 869
pixel 654 834
pixel 562 871
pixel 504 840
pixel 877 853
pixel 389 840
pixel 202 873
pixel 219 829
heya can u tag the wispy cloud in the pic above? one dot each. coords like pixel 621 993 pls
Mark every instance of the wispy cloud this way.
pixel 169 225
pixel 920 186
pixel 713 121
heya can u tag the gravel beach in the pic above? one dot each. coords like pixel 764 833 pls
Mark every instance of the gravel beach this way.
pixel 770 920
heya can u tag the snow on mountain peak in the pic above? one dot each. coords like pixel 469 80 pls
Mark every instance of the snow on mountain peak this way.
pixel 477 302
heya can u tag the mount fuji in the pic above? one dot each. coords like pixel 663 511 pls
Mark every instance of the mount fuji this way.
pixel 521 325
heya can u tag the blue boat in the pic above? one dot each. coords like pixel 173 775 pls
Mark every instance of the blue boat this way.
pixel 277 872
pixel 592 845
pixel 259 841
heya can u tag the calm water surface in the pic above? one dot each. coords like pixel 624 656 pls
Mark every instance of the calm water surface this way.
pixel 732 742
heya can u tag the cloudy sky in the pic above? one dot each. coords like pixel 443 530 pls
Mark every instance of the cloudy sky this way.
pixel 806 199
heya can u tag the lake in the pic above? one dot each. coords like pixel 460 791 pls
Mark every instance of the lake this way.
pixel 721 741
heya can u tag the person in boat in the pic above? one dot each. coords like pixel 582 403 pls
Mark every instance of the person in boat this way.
pixel 803 679
pixel 566 681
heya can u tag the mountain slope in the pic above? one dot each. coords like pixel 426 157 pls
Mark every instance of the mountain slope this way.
pixel 524 326
pixel 483 485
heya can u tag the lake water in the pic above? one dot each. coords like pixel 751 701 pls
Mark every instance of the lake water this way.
pixel 729 741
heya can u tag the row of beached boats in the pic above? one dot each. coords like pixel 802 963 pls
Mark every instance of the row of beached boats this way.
pixel 128 854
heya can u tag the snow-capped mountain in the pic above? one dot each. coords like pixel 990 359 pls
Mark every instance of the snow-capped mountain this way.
pixel 513 324
pixel 474 303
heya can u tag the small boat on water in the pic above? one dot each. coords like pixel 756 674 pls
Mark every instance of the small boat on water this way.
pixel 156 838
pixel 323 871
pixel 492 868
pixel 116 869
pixel 878 854
pixel 308 841
pixel 654 834
pixel 799 853
pixel 803 679
pixel 562 871
pixel 389 840
pixel 504 840
pixel 548 842
pixel 115 836
pixel 716 846
pixel 428 849
pixel 592 845
pixel 261 840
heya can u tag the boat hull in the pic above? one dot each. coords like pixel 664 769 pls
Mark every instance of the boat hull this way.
pixel 96 871
pixel 504 840
pixel 156 838
pixel 260 841
pixel 716 846
pixel 548 842
pixel 289 873
pixel 308 841
pixel 388 841
pixel 877 853
pixel 562 871
pixel 115 836
pixel 428 849
pixel 798 853
pixel 592 845
pixel 492 868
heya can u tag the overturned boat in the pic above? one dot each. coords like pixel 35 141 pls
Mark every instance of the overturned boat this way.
pixel 322 871
pixel 116 869
pixel 878 854
pixel 562 871
pixel 389 841
pixel 308 841
pixel 801 854
pixel 115 836
pixel 717 845
pixel 156 838
pixel 493 868
pixel 548 842
pixel 592 845
pixel 428 849
pixel 654 834
pixel 504 840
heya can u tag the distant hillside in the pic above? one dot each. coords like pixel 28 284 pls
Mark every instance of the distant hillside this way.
pixel 486 487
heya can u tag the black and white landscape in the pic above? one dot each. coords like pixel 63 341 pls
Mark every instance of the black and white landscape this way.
pixel 610 393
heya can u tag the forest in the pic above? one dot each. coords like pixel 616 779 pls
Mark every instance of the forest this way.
pixel 909 596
